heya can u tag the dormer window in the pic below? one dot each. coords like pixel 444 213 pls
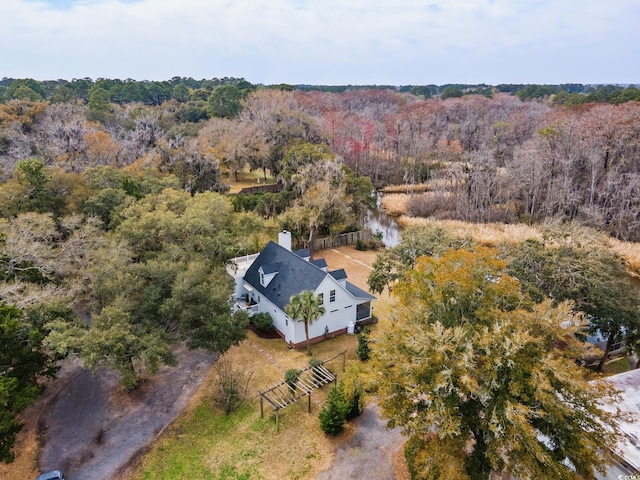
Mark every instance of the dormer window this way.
pixel 267 273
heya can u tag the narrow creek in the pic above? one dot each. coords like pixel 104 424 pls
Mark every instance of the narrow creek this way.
pixel 378 221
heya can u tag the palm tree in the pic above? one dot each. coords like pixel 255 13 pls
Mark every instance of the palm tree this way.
pixel 305 307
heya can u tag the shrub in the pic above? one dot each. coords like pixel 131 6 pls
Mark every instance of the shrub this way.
pixel 334 412
pixel 262 321
pixel 232 385
pixel 355 401
pixel 363 351
pixel 315 362
pixel 376 242
pixel 291 377
pixel 360 245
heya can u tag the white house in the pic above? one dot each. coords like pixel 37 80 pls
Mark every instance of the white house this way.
pixel 266 281
pixel 628 451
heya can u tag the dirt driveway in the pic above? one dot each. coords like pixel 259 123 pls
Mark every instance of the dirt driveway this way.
pixel 93 430
pixel 370 452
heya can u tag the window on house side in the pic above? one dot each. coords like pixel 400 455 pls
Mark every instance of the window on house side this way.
pixel 321 298
pixel 332 296
pixel 262 279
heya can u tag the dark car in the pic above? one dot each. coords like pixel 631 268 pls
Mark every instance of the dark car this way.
pixel 52 475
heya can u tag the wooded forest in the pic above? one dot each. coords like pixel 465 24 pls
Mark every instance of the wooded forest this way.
pixel 116 221
pixel 509 155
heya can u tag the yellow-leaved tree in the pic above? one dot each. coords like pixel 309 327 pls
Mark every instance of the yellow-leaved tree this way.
pixel 484 380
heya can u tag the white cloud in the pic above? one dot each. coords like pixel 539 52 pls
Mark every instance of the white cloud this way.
pixel 330 41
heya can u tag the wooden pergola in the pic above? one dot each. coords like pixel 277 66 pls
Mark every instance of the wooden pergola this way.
pixel 284 393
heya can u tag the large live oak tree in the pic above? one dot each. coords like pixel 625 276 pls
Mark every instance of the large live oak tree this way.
pixel 486 379
pixel 159 280
pixel 591 276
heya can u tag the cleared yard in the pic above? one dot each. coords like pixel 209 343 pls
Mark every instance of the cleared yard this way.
pixel 205 444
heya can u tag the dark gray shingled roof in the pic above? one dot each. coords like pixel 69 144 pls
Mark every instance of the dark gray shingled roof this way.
pixel 294 274
pixel 303 253
pixel 270 268
pixel 320 263
pixel 358 292
pixel 338 274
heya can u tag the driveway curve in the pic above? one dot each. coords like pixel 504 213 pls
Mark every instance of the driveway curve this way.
pixel 93 430
pixel 369 454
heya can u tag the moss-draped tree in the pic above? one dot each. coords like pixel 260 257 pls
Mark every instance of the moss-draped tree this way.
pixel 470 366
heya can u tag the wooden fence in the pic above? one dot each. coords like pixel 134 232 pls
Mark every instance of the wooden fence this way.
pixel 350 238
pixel 271 188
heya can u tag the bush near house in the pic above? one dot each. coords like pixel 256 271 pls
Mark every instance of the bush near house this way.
pixel 334 412
pixel 363 350
pixel 262 321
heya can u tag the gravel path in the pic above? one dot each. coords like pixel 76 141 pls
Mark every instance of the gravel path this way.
pixel 369 453
pixel 94 430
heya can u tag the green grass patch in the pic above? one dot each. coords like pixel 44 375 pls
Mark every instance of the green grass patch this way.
pixel 619 365
pixel 182 453
pixel 207 445
pixel 249 179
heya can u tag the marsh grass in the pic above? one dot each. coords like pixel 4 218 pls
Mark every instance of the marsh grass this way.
pixel 394 204
pixel 630 252
pixel 421 187
pixel 490 234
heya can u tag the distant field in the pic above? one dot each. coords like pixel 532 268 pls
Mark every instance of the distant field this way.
pixel 249 179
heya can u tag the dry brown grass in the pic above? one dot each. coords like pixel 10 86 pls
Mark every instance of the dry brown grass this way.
pixel 394 204
pixel 26 450
pixel 298 450
pixel 420 187
pixel 437 184
pixel 299 436
pixel 486 233
pixel 630 252
pixel 492 234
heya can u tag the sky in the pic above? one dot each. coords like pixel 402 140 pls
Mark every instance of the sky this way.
pixel 324 42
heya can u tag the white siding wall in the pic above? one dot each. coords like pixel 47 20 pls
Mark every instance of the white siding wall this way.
pixel 280 320
pixel 338 313
pixel 337 317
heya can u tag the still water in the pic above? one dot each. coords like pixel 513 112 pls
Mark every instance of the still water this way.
pixel 377 221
